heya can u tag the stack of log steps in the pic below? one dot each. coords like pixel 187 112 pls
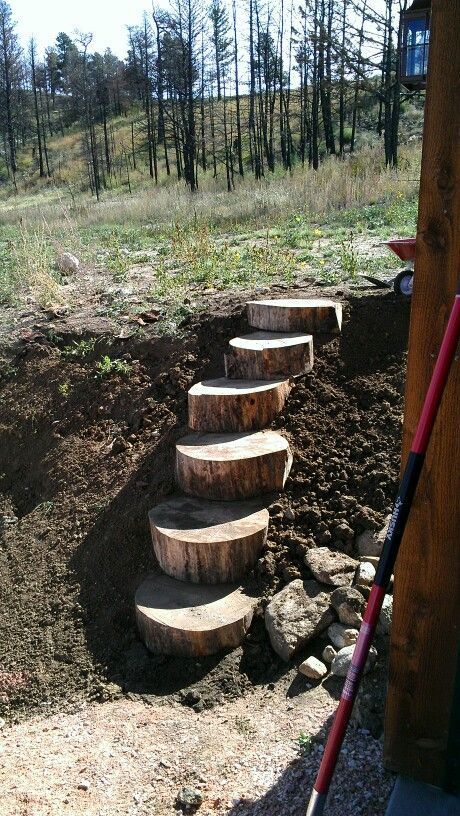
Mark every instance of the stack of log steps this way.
pixel 235 405
pixel 232 466
pixel 179 618
pixel 211 538
pixel 208 542
pixel 267 355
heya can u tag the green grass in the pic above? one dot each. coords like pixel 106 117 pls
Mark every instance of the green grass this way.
pixel 327 225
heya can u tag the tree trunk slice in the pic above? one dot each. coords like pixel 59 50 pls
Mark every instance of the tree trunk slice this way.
pixel 176 618
pixel 224 405
pixel 232 466
pixel 295 315
pixel 208 542
pixel 267 355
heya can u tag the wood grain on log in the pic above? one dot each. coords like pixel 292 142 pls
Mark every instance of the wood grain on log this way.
pixel 183 619
pixel 267 355
pixel 208 542
pixel 235 405
pixel 295 315
pixel 232 466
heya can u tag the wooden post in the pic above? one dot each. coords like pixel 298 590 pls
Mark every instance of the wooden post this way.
pixel 426 618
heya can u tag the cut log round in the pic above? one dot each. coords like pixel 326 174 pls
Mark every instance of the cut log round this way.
pixel 235 405
pixel 176 618
pixel 267 355
pixel 232 466
pixel 295 315
pixel 208 542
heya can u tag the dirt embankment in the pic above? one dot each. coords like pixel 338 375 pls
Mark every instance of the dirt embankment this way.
pixel 84 457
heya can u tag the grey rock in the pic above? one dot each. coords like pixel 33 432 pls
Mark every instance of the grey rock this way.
pixel 295 615
pixel 382 534
pixel 68 263
pixel 384 624
pixel 349 605
pixel 289 514
pixel 341 635
pixel 331 567
pixel 328 653
pixel 189 799
pixel 342 660
pixel 365 574
pixel 313 668
pixel 8 519
pixel 368 544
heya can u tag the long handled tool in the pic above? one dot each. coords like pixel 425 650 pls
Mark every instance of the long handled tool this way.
pixel 393 538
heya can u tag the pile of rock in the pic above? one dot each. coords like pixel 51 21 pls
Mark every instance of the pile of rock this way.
pixel 333 602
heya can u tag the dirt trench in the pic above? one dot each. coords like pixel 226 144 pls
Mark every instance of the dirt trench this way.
pixel 83 457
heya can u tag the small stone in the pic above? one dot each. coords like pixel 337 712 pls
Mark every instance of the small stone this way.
pixel 341 635
pixel 349 605
pixel 330 566
pixel 84 785
pixel 365 574
pixel 276 508
pixel 328 653
pixel 289 514
pixel 2 723
pixel 119 445
pixel 313 668
pixel 9 519
pixel 342 661
pixel 189 799
pixel 386 613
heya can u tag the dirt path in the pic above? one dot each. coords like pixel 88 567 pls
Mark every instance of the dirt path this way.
pixel 131 759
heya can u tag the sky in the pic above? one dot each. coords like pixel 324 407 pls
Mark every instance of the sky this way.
pixel 105 19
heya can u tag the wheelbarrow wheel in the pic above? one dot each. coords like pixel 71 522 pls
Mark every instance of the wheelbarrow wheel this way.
pixel 403 283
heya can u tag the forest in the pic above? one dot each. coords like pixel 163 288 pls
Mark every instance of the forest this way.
pixel 226 90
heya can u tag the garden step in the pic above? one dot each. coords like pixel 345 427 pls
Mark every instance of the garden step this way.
pixel 208 542
pixel 295 315
pixel 266 355
pixel 232 466
pixel 235 405
pixel 178 618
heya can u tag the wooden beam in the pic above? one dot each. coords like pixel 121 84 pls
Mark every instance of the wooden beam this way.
pixel 426 620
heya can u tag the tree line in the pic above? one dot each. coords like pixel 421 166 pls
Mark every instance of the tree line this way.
pixel 208 86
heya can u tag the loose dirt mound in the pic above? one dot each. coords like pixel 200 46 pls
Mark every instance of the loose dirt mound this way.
pixel 83 458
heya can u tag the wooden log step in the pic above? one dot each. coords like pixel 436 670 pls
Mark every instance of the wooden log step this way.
pixel 176 618
pixel 266 355
pixel 295 315
pixel 235 405
pixel 232 466
pixel 208 542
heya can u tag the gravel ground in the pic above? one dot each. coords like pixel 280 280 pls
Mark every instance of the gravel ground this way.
pixel 130 758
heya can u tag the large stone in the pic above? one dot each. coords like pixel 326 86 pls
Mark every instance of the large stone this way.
pixel 295 615
pixel 342 661
pixel 331 567
pixel 349 605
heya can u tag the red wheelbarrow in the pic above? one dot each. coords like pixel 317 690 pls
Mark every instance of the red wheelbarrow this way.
pixel 404 248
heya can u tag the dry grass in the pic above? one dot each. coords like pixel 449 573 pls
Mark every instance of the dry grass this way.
pixel 358 180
